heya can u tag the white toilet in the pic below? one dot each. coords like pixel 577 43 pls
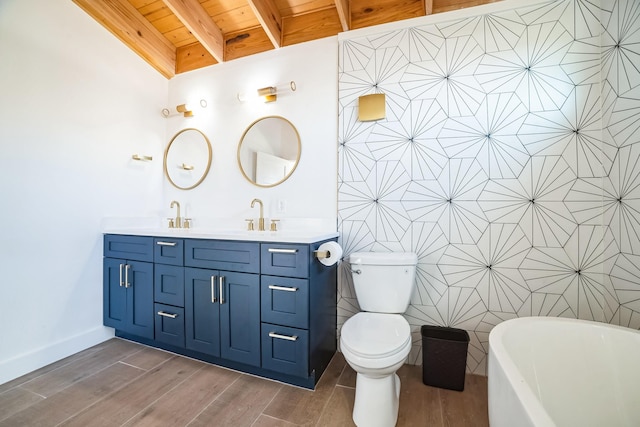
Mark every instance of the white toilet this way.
pixel 376 341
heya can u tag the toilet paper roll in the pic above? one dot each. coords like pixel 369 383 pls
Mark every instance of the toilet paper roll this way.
pixel 334 251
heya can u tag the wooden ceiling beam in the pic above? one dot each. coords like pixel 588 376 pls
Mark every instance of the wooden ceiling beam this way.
pixel 428 7
pixel 128 25
pixel 344 12
pixel 269 16
pixel 197 20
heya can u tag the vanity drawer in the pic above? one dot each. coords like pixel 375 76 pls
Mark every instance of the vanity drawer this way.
pixel 285 349
pixel 168 284
pixel 281 259
pixel 169 324
pixel 243 257
pixel 135 248
pixel 285 301
pixel 168 251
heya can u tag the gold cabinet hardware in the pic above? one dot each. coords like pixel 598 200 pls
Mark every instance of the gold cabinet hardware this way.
pixel 142 158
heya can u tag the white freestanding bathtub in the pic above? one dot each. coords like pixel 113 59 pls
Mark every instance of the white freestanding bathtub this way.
pixel 549 371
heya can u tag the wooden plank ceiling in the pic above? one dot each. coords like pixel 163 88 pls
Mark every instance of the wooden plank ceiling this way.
pixel 175 36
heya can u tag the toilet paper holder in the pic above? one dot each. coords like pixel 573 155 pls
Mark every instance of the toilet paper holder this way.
pixel 328 253
pixel 322 254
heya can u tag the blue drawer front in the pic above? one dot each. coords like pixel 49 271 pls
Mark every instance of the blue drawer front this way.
pixel 285 301
pixel 168 284
pixel 169 324
pixel 280 259
pixel 285 349
pixel 168 251
pixel 222 255
pixel 136 248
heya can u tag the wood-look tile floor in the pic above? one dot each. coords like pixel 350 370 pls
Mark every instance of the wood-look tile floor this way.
pixel 121 383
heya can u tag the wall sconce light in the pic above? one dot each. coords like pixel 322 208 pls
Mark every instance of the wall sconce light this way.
pixel 268 94
pixel 185 109
pixel 265 94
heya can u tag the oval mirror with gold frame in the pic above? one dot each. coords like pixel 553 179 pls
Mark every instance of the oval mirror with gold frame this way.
pixel 187 159
pixel 269 151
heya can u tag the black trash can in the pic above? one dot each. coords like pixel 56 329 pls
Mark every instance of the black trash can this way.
pixel 444 356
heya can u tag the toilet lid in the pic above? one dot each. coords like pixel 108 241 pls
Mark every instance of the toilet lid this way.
pixel 375 334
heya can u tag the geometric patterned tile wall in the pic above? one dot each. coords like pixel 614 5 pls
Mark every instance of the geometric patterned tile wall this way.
pixel 509 160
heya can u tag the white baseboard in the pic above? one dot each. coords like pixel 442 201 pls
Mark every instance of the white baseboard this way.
pixel 27 362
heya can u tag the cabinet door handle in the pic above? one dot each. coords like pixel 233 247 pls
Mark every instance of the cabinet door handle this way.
pixel 283 337
pixel 282 288
pixel 221 295
pixel 121 282
pixel 170 315
pixel 283 251
pixel 213 289
pixel 126 276
pixel 166 243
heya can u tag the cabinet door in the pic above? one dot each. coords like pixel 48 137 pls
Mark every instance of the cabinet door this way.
pixel 285 301
pixel 169 324
pixel 284 259
pixel 114 310
pixel 168 251
pixel 202 310
pixel 128 296
pixel 169 284
pixel 140 299
pixel 285 349
pixel 138 248
pixel 240 318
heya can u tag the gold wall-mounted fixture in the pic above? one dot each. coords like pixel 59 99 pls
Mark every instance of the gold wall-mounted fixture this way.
pixel 142 158
pixel 187 167
pixel 267 94
pixel 186 109
pixel 371 107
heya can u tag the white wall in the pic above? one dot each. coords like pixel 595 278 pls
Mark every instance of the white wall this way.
pixel 311 191
pixel 76 104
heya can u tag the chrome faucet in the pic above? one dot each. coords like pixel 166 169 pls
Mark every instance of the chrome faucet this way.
pixel 261 219
pixel 178 220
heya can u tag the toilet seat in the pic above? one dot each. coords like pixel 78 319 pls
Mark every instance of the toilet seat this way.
pixel 376 339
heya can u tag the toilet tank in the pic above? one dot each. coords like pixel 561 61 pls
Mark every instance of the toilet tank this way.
pixel 383 281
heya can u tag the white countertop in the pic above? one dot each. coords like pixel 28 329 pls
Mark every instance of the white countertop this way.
pixel 290 230
pixel 298 236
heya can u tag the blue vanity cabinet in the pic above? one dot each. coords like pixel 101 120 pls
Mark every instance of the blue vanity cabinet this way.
pixel 222 305
pixel 128 284
pixel 264 308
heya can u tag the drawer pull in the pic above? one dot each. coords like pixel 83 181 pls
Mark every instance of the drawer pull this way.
pixel 221 295
pixel 283 251
pixel 213 289
pixel 121 282
pixel 166 243
pixel 170 315
pixel 126 276
pixel 283 337
pixel 282 288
